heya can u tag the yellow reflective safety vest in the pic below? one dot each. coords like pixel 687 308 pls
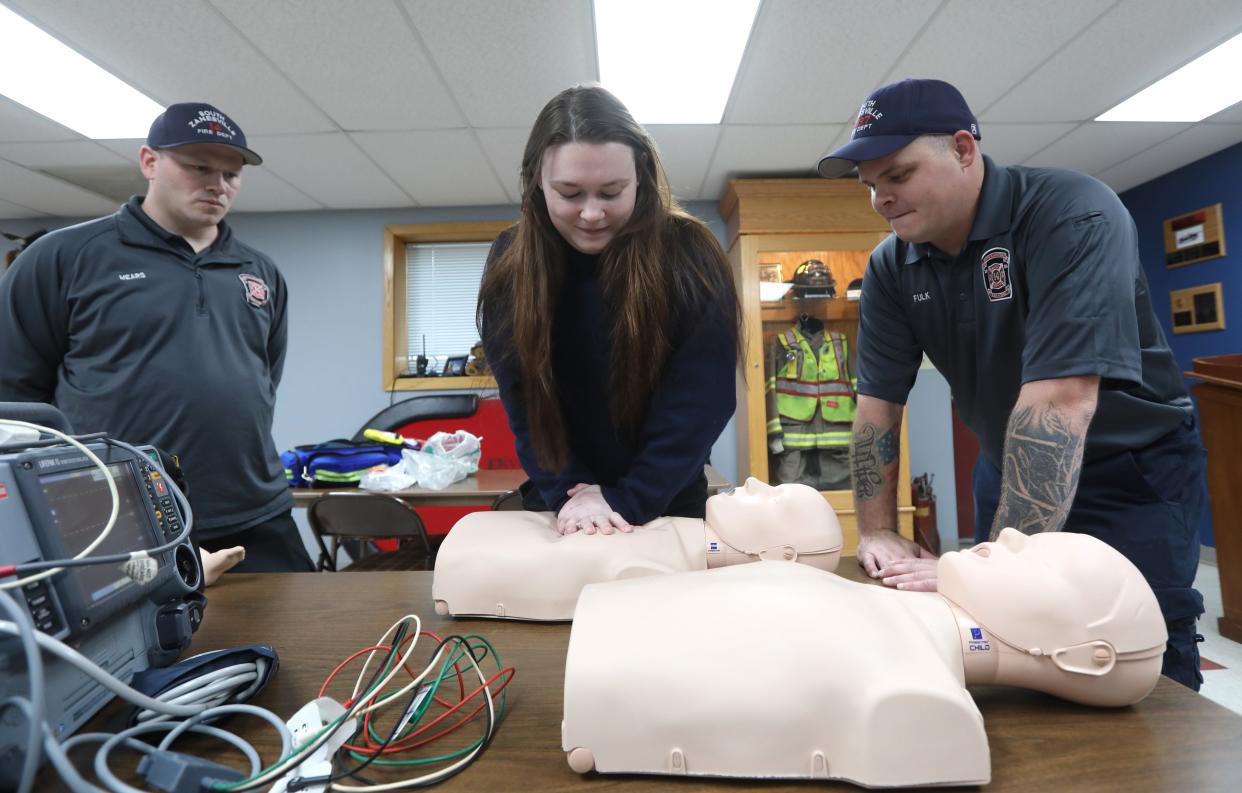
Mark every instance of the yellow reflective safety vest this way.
pixel 810 385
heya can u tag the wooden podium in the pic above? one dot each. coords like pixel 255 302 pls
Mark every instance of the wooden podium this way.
pixel 1220 412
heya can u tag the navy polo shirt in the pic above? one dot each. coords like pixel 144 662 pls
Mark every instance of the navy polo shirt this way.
pixel 1048 285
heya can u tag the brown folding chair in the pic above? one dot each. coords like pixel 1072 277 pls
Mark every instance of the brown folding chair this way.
pixel 366 517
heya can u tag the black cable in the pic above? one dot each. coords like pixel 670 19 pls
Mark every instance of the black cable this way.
pixel 393 655
pixel 299 783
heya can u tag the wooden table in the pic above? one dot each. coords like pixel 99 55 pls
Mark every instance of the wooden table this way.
pixel 480 489
pixel 1175 740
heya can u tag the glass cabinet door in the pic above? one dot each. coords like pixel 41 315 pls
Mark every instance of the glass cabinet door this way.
pixel 809 327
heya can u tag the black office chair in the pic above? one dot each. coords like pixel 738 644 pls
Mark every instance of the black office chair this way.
pixel 366 517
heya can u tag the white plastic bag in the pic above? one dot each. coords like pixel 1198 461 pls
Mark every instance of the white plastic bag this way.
pixel 388 478
pixel 445 458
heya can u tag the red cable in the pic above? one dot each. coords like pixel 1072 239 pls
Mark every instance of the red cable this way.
pixel 404 744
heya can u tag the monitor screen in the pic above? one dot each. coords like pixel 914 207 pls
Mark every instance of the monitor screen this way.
pixel 80 506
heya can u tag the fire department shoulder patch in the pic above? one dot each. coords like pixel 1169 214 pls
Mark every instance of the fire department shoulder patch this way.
pixel 257 293
pixel 995 263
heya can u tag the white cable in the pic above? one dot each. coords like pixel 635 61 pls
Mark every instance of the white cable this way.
pixel 84 664
pixel 35 705
pixel 447 770
pixel 116 500
pixel 286 739
pixel 112 741
pixel 213 691
pixel 285 764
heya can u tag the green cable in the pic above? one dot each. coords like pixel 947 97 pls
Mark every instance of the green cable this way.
pixel 458 653
pixel 326 728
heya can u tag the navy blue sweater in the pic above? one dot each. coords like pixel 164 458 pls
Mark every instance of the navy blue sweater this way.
pixel 660 472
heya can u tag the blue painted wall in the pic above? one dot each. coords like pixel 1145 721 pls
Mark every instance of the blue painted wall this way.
pixel 1213 179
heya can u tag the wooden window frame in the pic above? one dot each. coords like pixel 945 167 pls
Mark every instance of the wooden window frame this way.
pixel 395 331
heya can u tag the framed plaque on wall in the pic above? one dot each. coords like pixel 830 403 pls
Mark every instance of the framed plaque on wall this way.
pixel 1194 237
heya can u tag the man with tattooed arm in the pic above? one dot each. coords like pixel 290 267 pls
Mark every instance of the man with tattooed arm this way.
pixel 1023 286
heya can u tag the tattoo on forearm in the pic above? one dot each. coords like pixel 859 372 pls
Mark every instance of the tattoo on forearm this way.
pixel 1043 459
pixel 868 457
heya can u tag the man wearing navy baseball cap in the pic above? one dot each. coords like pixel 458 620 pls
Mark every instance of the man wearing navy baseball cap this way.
pixel 157 325
pixel 1024 287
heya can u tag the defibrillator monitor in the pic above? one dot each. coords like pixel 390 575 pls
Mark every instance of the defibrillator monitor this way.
pixel 78 507
pixel 64 504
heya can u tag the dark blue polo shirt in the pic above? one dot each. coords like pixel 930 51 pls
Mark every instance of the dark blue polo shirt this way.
pixel 1049 285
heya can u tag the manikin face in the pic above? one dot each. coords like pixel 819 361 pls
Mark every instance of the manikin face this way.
pixel 1053 590
pixel 758 515
pixel 590 190
pixel 919 190
pixel 191 187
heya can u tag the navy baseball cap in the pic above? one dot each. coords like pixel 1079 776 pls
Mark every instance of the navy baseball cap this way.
pixel 198 122
pixel 895 115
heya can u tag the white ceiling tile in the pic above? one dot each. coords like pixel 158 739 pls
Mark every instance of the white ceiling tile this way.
pixel 504 61
pixel 812 62
pixel 1008 144
pixel 20 123
pixel 126 148
pixel 436 167
pixel 69 154
pixel 1001 43
pixel 264 191
pixel 49 195
pixel 387 82
pixel 330 169
pixel 288 68
pixel 178 52
pixel 1097 146
pixel 14 212
pixel 504 148
pixel 1194 144
pixel 1127 49
pixel 686 150
pixel 765 151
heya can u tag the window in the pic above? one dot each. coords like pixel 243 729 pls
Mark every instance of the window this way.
pixel 431 285
pixel 441 289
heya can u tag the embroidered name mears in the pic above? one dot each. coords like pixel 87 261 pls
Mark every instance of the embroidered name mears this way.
pixel 131 276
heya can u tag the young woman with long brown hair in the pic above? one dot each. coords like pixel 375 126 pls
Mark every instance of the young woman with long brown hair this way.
pixel 611 321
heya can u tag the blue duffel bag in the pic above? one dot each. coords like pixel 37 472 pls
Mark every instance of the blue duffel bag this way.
pixel 338 463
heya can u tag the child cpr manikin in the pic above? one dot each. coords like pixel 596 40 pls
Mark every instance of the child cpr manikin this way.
pixel 781 670
pixel 517 565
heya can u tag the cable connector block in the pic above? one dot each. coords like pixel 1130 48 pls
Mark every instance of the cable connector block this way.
pixel 312 717
pixel 173 772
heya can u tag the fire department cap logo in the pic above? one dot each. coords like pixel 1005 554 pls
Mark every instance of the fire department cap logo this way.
pixel 868 114
pixel 257 292
pixel 995 263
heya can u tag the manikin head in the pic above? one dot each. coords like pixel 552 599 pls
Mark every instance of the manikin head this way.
pixel 1075 608
pixel 761 521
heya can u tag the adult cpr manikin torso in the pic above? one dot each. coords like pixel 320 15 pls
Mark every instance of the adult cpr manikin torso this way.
pixel 517 565
pixel 779 670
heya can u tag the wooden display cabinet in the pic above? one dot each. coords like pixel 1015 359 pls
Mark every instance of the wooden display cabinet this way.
pixel 773 226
